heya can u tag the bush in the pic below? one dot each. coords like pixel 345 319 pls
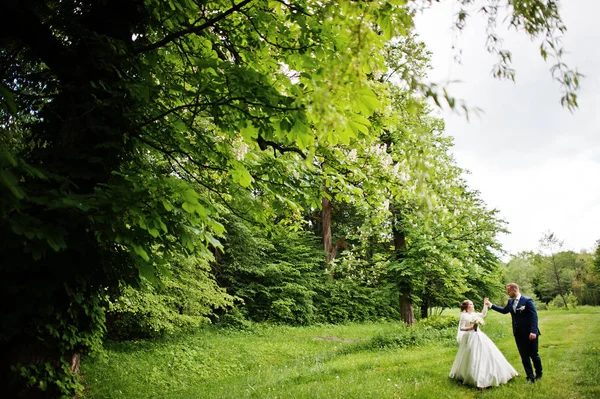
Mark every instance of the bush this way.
pixel 235 319
pixel 405 336
pixel 558 303
pixel 274 274
pixel 344 300
pixel 185 300
pixel 439 322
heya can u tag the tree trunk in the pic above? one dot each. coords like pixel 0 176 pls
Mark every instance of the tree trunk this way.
pixel 424 310
pixel 560 289
pixel 399 244
pixel 326 223
pixel 406 308
pixel 369 255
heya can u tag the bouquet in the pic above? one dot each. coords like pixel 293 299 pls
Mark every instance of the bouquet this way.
pixel 477 321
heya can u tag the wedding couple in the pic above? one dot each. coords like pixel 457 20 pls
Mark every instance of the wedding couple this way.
pixel 478 361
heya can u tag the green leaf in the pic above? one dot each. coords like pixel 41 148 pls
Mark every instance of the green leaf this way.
pixel 358 128
pixel 153 232
pixel 385 23
pixel 241 175
pixel 147 271
pixel 167 205
pixel 194 208
pixel 249 132
pixel 213 241
pixel 8 179
pixel 186 241
pixel 303 134
pixel 161 224
pixel 140 252
pixel 190 196
pixel 56 242
pixel 5 155
pixel 366 100
pixel 217 227
pixel 188 207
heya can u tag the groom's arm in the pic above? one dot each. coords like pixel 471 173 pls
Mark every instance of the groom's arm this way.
pixel 503 310
pixel 534 317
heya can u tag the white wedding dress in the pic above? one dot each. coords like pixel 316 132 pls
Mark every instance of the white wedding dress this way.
pixel 478 361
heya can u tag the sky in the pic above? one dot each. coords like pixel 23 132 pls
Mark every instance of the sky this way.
pixel 529 157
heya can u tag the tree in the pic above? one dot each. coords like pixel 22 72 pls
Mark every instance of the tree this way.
pixel 585 282
pixel 537 272
pixel 520 270
pixel 447 231
pixel 551 246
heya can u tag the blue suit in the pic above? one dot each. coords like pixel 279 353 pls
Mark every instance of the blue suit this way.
pixel 524 322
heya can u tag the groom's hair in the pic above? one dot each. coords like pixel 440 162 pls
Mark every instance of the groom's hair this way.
pixel 513 286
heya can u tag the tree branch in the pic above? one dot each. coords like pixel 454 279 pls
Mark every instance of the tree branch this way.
pixel 209 188
pixel 169 153
pixel 182 107
pixel 192 30
pixel 263 144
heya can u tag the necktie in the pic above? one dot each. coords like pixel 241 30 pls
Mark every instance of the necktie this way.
pixel 514 305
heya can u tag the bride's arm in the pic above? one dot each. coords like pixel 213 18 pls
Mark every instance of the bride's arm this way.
pixel 484 311
pixel 465 325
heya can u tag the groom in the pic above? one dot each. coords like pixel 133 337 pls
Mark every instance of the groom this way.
pixel 525 329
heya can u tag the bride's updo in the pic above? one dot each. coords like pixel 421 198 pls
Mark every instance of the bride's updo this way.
pixel 464 305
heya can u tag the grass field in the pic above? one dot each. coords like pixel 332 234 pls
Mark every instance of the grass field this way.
pixel 344 361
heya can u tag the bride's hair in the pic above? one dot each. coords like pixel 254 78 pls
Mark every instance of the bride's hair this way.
pixel 464 305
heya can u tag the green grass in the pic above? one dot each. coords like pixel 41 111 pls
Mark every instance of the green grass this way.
pixel 342 362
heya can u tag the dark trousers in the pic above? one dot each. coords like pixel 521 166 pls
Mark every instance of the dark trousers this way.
pixel 528 349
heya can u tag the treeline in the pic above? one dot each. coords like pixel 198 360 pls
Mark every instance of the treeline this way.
pixel 400 235
pixel 558 278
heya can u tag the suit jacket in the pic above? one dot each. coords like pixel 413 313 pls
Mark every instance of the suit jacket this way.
pixel 524 319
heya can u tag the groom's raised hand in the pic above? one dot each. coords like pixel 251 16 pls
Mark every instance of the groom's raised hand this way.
pixel 486 302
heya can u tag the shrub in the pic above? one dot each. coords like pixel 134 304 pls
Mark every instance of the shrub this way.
pixel 345 300
pixel 558 303
pixel 235 319
pixel 439 322
pixel 405 336
pixel 186 298
pixel 275 274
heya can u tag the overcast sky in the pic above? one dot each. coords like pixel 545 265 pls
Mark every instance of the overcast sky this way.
pixel 531 159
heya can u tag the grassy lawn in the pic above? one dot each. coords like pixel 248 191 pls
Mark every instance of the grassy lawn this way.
pixel 341 362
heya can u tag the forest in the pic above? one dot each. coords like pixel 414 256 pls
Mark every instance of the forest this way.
pixel 227 163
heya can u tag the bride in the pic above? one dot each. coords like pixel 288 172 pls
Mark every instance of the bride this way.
pixel 478 361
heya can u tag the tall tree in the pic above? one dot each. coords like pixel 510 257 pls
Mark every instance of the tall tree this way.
pixel 551 245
